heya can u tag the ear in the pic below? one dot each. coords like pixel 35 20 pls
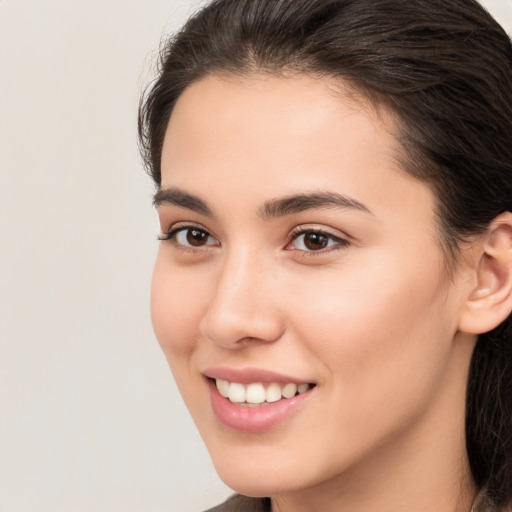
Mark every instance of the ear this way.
pixel 490 301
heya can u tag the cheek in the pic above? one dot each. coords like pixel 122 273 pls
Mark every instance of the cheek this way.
pixel 176 307
pixel 383 343
pixel 379 320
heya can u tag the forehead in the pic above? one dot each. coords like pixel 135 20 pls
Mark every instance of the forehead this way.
pixel 270 97
pixel 268 136
pixel 273 114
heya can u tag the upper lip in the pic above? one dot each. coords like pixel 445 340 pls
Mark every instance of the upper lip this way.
pixel 250 375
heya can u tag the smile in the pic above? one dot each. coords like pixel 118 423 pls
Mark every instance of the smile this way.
pixel 254 401
pixel 257 394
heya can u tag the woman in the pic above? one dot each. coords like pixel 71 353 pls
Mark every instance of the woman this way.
pixel 333 289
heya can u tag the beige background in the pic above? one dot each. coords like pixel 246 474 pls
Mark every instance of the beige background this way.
pixel 90 419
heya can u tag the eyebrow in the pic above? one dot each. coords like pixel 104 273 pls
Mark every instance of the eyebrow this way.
pixel 178 197
pixel 273 208
pixel 303 202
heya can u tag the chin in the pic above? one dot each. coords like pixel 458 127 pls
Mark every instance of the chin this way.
pixel 257 484
pixel 261 474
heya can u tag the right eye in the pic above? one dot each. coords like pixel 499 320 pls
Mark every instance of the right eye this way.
pixel 189 237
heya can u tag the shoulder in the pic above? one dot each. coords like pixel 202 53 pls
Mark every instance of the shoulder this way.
pixel 239 503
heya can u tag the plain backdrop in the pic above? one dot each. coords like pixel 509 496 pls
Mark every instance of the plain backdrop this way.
pixel 90 419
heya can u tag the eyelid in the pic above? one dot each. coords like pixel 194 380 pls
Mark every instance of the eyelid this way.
pixel 177 227
pixel 342 241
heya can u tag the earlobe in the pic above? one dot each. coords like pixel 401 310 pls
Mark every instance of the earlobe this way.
pixel 490 301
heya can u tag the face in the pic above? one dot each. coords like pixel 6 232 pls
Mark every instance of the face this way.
pixel 300 267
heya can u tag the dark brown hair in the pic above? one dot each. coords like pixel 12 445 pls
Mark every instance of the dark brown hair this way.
pixel 443 68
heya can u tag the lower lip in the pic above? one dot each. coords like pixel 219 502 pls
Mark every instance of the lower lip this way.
pixel 254 419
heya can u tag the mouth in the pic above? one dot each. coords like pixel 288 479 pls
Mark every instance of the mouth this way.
pixel 257 394
pixel 253 401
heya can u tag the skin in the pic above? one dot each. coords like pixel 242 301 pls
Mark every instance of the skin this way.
pixel 372 319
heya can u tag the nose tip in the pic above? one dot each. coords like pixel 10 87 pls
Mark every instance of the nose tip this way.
pixel 229 328
pixel 242 310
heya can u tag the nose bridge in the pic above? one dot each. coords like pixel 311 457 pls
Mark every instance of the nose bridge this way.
pixel 241 306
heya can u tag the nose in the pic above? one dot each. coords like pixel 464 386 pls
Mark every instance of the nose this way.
pixel 243 306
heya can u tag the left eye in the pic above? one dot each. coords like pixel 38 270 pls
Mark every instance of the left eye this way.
pixel 194 237
pixel 315 241
pixel 191 237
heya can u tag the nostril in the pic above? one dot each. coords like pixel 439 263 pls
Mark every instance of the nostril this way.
pixel 235 329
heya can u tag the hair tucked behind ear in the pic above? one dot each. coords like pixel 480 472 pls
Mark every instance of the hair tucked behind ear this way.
pixel 444 69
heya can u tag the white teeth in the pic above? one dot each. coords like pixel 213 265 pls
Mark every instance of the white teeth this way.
pixel 236 392
pixel 273 393
pixel 223 387
pixel 289 390
pixel 255 394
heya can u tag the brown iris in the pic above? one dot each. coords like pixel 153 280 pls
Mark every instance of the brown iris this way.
pixel 197 237
pixel 315 241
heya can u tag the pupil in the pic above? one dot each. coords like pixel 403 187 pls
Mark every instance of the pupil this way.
pixel 196 237
pixel 315 241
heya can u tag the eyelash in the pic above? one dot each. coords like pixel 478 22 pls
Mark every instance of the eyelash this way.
pixel 172 233
pixel 339 242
